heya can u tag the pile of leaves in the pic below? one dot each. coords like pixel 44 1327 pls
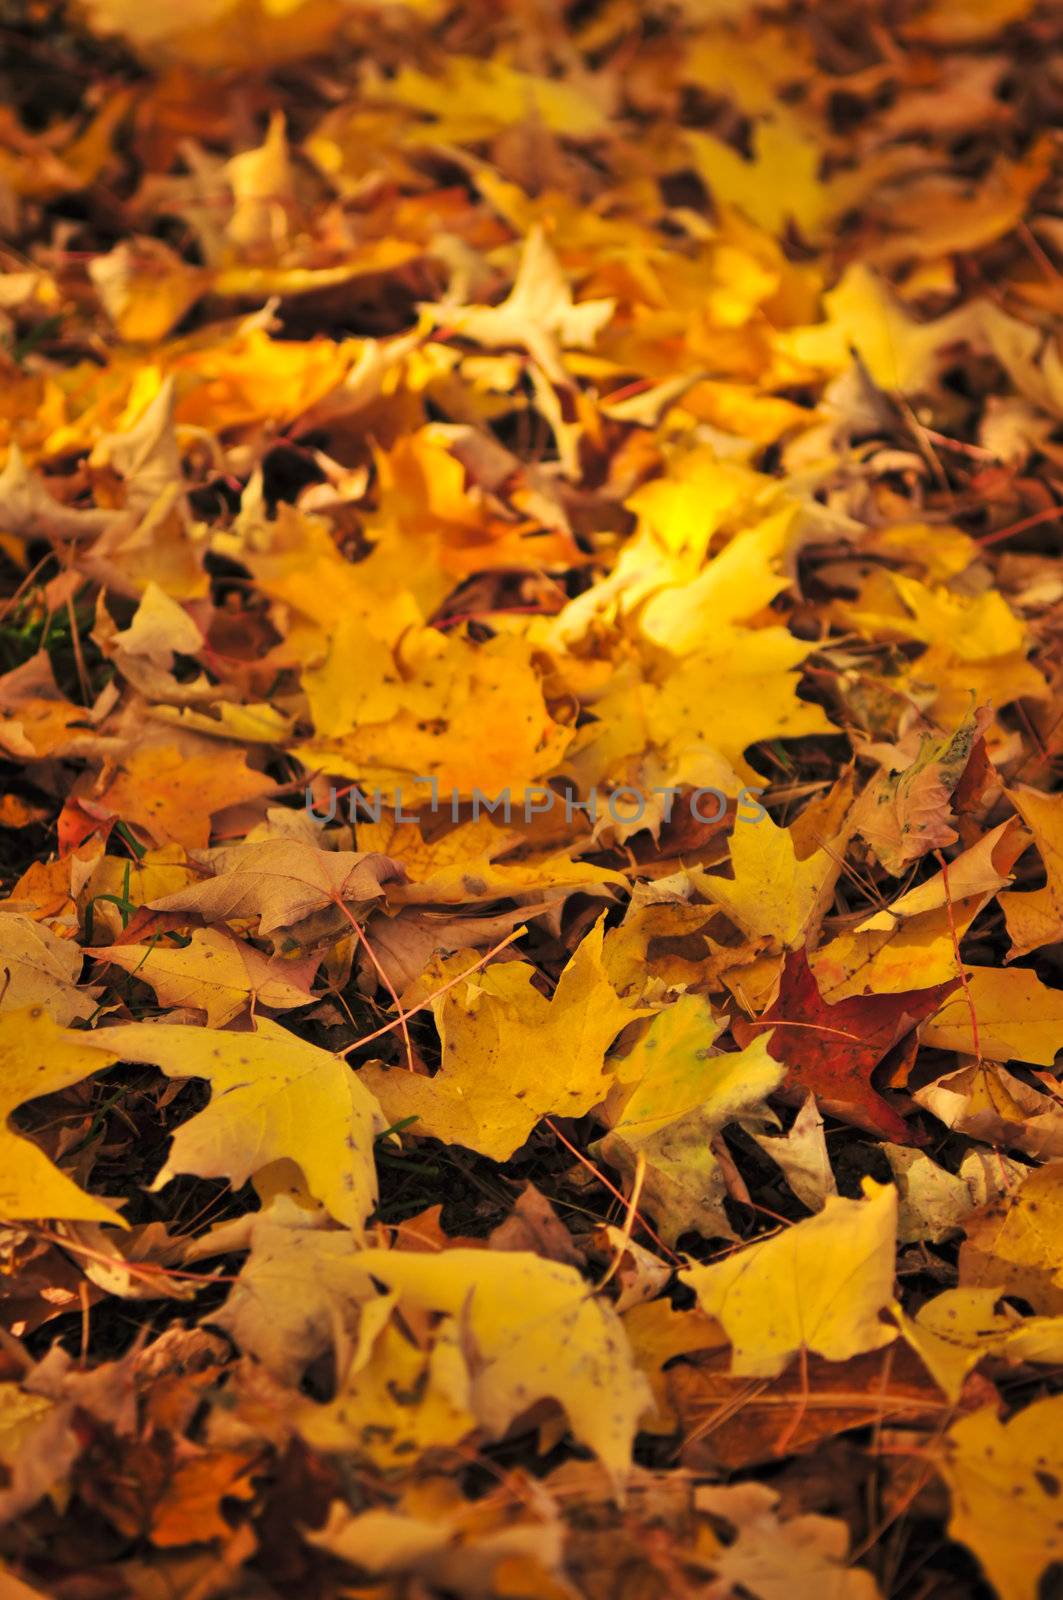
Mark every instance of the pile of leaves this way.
pixel 530 838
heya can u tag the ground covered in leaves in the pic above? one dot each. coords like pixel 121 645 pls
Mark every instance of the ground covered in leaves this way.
pixel 531 852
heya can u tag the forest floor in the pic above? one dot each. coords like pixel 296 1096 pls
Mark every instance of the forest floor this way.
pixel 531 845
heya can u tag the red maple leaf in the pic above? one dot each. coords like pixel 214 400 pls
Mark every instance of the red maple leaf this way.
pixel 833 1049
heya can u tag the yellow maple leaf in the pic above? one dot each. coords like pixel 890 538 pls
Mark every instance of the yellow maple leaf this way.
pixel 772 893
pixel 37 1057
pixel 970 627
pixel 173 796
pixel 539 314
pixel 212 972
pixel 396 1399
pixel 1004 1480
pixel 510 1056
pixel 1036 918
pixel 986 1102
pixel 539 1331
pixel 430 529
pixel 979 871
pixel 35 729
pixel 913 954
pixel 1012 1243
pixel 818 1285
pixel 952 1332
pixel 741 689
pixel 733 585
pixel 470 717
pixel 275 1097
pixel 116 882
pixel 472 99
pixel 863 315
pixel 223 383
pixel 672 1097
pixel 146 288
pixel 1019 1017
pixel 782 181
pixel 294 560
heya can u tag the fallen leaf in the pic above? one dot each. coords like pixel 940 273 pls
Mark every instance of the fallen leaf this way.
pixel 770 1557
pixel 510 1056
pixel 397 1400
pixel 275 1097
pixel 538 1331
pixel 1019 1018
pixel 41 971
pixel 1036 918
pixel 989 1103
pixel 210 972
pixel 189 1511
pixel 832 1050
pixel 934 1202
pixel 904 814
pixel 40 1058
pixel 282 882
pixel 734 1423
pixel 672 1099
pixel 802 1155
pixel 953 1332
pixel 538 315
pixel 1010 1242
pixel 818 1285
pixel 297 1294
pixel 773 893
pixel 1004 1479
pixel 173 796
pixel 658 1334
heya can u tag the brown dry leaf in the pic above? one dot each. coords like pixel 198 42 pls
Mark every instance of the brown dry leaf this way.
pixel 282 882
pixel 736 1423
pixel 903 816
